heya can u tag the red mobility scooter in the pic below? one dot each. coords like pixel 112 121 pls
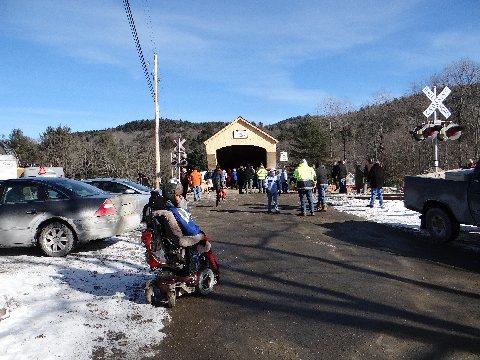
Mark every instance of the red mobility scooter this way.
pixel 178 270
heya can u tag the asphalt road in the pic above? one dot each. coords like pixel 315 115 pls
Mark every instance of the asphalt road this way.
pixel 326 287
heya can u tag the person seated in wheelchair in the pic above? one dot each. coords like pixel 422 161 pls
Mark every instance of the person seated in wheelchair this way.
pixel 180 221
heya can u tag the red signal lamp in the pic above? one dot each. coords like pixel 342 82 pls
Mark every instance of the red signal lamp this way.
pixel 453 131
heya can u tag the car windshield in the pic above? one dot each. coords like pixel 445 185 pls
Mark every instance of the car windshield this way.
pixel 137 186
pixel 81 189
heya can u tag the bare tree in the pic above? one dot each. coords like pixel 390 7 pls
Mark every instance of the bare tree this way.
pixel 339 129
pixel 463 76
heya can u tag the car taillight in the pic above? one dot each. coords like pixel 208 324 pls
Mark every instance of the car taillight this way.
pixel 107 209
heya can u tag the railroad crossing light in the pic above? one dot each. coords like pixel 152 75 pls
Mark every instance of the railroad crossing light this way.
pixel 173 158
pixel 183 159
pixel 429 130
pixel 453 131
pixel 442 134
pixel 417 133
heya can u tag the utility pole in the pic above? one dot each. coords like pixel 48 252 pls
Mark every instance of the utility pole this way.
pixel 331 136
pixel 157 125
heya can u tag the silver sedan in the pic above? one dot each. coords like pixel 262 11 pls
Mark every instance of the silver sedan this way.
pixel 59 213
pixel 140 194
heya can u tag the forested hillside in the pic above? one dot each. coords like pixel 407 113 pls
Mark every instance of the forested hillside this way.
pixel 380 130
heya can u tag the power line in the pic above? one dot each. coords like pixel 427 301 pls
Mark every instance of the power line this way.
pixel 133 29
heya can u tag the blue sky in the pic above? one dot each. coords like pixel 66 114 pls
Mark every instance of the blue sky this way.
pixel 74 63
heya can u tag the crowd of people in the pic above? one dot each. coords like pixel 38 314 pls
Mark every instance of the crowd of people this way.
pixel 170 202
pixel 305 179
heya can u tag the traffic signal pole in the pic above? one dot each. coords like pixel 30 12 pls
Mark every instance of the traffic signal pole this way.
pixel 179 166
pixel 435 140
pixel 178 157
pixel 439 130
pixel 436 103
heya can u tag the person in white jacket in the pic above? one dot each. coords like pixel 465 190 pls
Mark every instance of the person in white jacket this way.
pixel 271 185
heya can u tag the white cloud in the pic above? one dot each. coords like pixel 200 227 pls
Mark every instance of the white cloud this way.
pixel 92 31
pixel 456 42
pixel 244 51
pixel 279 88
pixel 253 49
pixel 209 40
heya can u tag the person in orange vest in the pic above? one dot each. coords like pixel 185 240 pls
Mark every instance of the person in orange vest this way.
pixel 195 180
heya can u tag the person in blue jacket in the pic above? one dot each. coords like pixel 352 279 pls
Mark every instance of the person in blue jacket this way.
pixel 180 220
pixel 234 178
pixel 271 186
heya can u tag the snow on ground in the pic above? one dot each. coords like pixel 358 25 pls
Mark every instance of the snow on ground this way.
pixel 393 212
pixel 68 308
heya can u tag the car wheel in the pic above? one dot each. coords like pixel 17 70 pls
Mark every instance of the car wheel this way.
pixel 441 226
pixel 56 239
pixel 206 280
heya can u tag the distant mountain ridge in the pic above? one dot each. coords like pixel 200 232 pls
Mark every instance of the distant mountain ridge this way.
pixel 380 131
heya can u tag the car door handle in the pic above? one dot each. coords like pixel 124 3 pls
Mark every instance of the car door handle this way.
pixel 33 212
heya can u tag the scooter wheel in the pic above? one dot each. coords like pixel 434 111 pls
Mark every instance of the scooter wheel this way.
pixel 149 294
pixel 206 280
pixel 171 297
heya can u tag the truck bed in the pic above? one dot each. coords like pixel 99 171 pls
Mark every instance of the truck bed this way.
pixel 452 194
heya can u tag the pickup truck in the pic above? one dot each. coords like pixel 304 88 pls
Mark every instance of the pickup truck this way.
pixel 445 202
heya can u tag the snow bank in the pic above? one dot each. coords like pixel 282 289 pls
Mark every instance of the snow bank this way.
pixel 88 303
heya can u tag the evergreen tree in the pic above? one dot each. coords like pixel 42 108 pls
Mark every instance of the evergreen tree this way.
pixel 25 147
pixel 309 141
pixel 55 146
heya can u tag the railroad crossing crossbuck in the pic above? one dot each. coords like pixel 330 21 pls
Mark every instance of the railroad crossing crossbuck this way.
pixel 437 102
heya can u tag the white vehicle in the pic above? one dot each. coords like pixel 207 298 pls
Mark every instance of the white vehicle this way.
pixel 8 167
pixel 129 189
pixel 45 171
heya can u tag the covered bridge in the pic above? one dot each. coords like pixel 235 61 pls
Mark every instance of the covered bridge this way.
pixel 241 143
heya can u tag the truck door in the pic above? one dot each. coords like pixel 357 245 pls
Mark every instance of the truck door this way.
pixel 474 195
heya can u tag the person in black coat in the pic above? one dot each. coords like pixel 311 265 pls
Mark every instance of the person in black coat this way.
pixel 342 177
pixel 184 181
pixel 249 176
pixel 240 179
pixel 322 185
pixel 335 176
pixel 376 177
pixel 217 183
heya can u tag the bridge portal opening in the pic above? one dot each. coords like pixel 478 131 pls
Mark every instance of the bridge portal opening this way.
pixel 230 157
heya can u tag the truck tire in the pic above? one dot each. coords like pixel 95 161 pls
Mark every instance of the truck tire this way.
pixel 441 226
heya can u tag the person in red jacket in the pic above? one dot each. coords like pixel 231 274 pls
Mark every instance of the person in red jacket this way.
pixel 195 180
